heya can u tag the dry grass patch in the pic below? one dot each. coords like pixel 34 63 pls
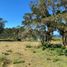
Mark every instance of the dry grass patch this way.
pixel 20 55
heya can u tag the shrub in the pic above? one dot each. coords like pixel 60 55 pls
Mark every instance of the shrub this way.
pixel 51 46
pixel 57 46
pixel 9 50
pixel 63 47
pixel 46 45
pixel 34 51
pixel 48 58
pixel 17 61
pixel 56 59
pixel 43 48
pixel 29 64
pixel 65 52
pixel 5 53
pixel 28 46
pixel 59 51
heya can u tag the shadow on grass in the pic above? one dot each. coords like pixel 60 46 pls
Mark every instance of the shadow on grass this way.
pixel 9 40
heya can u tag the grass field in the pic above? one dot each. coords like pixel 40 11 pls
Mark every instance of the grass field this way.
pixel 29 54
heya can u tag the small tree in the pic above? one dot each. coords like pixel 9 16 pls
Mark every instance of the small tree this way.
pixel 2 25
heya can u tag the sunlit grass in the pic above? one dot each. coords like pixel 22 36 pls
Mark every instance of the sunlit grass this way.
pixel 21 55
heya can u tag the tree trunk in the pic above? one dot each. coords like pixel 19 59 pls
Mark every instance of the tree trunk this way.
pixel 42 38
pixel 48 37
pixel 64 38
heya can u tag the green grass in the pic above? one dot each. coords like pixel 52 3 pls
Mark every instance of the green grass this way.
pixel 2 57
pixel 50 58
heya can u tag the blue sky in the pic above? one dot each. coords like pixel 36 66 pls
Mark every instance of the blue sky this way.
pixel 13 11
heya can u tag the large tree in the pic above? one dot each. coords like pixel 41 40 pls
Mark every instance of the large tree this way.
pixel 41 10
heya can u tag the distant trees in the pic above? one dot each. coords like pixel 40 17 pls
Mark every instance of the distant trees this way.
pixel 11 33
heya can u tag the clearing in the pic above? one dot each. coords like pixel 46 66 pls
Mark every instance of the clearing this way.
pixel 28 54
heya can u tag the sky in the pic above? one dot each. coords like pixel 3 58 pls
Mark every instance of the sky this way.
pixel 13 11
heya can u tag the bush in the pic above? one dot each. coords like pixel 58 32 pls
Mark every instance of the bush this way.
pixel 28 46
pixel 59 51
pixel 51 46
pixel 56 59
pixel 46 45
pixel 65 52
pixel 48 58
pixel 9 50
pixel 43 48
pixel 5 53
pixel 57 46
pixel 34 51
pixel 17 61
